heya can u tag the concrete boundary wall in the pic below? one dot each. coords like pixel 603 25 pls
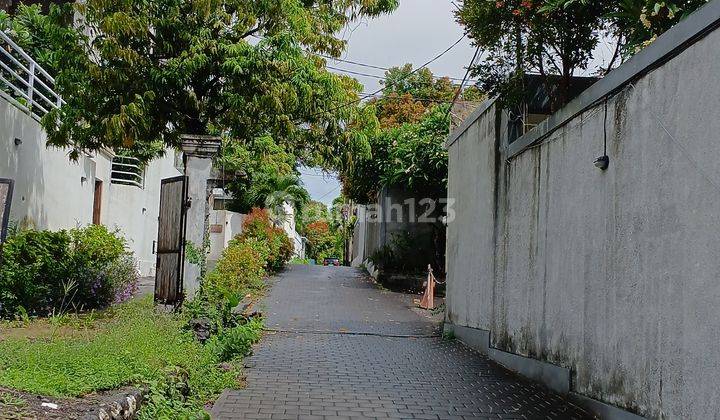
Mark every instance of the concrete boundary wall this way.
pixel 611 274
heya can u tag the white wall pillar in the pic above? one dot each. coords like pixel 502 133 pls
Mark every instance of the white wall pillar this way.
pixel 199 152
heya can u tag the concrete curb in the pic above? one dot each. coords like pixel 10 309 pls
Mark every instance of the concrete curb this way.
pixel 122 407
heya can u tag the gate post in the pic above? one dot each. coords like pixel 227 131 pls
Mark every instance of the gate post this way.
pixel 6 193
pixel 199 152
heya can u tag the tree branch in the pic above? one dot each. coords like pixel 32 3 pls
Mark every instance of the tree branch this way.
pixel 253 31
pixel 615 56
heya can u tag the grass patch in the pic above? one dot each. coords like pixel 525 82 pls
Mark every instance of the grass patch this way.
pixel 134 344
pixel 8 400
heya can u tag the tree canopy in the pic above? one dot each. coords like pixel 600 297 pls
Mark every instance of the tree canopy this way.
pixel 138 74
pixel 556 38
pixel 406 148
pixel 520 36
pixel 408 94
pixel 637 23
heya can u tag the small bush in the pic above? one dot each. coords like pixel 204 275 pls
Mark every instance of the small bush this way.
pixel 240 270
pixel 400 255
pixel 258 226
pixel 33 267
pixel 43 272
pixel 261 249
pixel 234 343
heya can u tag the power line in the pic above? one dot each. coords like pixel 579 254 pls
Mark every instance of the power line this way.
pixel 329 192
pixel 401 96
pixel 371 66
pixel 356 101
pixel 467 73
pixel 358 63
pixel 356 73
pixel 375 76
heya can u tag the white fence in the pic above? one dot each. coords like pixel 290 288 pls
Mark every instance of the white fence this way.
pixel 25 83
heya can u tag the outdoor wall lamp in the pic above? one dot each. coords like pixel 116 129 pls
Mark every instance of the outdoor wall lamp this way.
pixel 18 141
pixel 603 162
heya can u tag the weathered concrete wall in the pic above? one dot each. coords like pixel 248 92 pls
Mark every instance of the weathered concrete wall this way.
pixel 613 274
pixel 396 216
pixel 470 235
pixel 51 192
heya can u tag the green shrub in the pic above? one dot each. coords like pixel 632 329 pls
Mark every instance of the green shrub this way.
pixel 234 343
pixel 96 246
pixel 43 272
pixel 261 249
pixel 239 271
pixel 33 268
pixel 258 226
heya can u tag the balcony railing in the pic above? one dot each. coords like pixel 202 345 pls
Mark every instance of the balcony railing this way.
pixel 24 83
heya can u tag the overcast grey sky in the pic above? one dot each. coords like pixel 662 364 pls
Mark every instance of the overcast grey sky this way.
pixel 415 33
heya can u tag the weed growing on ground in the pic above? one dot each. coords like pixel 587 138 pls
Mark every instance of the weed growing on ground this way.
pixel 136 345
pixel 236 343
pixel 448 335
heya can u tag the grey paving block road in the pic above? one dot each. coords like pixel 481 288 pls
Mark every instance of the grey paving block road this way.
pixel 343 349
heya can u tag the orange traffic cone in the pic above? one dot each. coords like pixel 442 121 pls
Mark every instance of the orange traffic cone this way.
pixel 428 299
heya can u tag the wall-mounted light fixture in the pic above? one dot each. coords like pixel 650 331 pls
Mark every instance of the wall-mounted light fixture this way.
pixel 603 162
pixel 18 141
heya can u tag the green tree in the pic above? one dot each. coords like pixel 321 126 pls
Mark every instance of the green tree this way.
pixel 407 146
pixel 321 240
pixel 408 94
pixel 254 170
pixel 520 36
pixel 411 155
pixel 139 74
pixel 637 23
pixel 287 190
pixel 312 211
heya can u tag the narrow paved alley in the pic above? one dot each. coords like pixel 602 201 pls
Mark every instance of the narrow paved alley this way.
pixel 342 348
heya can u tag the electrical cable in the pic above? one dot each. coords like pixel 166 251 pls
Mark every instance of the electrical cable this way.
pixel 605 128
pixel 682 148
pixel 372 67
pixel 462 84
pixel 356 101
pixel 329 192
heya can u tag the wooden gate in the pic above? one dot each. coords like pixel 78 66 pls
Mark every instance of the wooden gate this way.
pixel 171 241
pixel 6 192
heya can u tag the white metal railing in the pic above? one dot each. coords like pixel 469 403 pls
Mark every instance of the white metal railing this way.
pixel 127 171
pixel 23 82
